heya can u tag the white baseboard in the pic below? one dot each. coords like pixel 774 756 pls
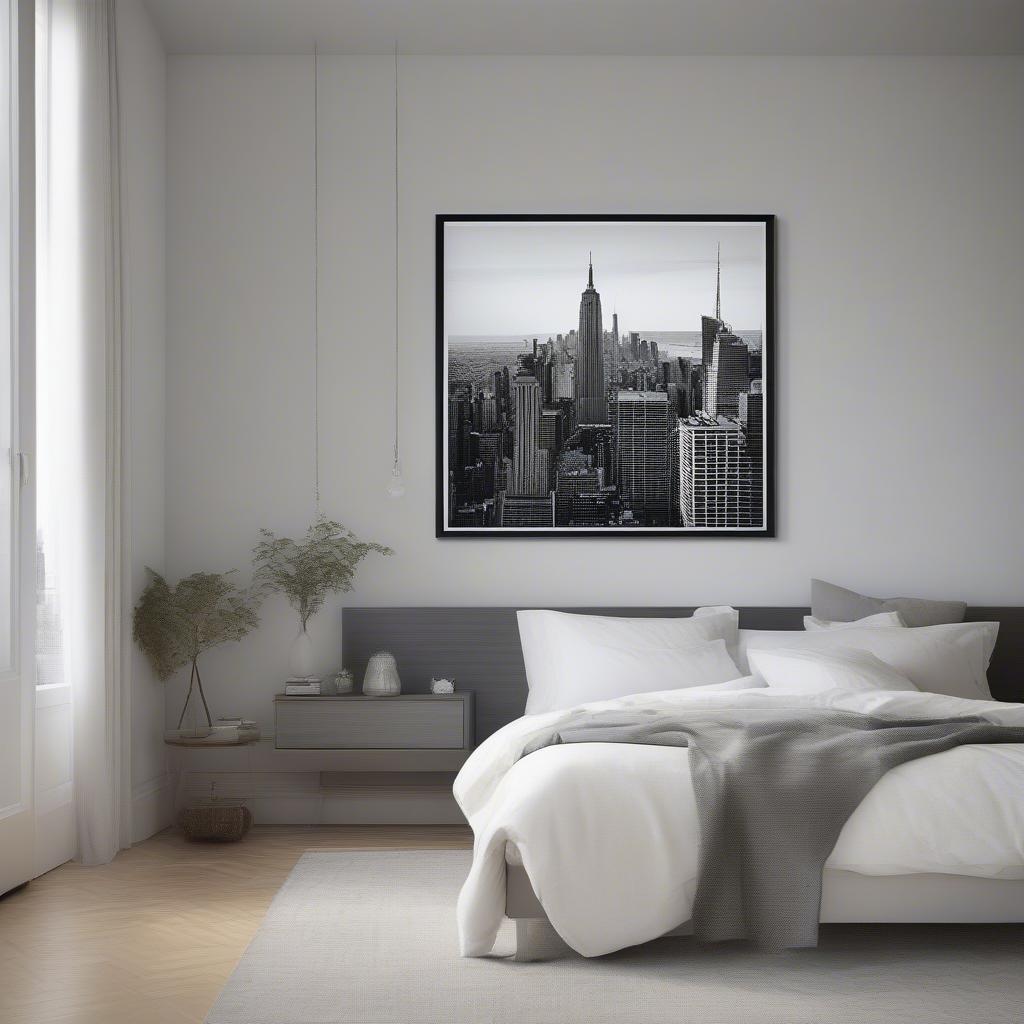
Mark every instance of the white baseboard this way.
pixel 152 806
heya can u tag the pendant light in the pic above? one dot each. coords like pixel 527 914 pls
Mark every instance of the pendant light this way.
pixel 396 486
pixel 316 282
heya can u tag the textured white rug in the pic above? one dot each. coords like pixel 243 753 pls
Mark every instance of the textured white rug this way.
pixel 361 937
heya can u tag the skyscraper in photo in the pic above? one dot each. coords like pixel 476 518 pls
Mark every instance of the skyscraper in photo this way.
pixel 460 425
pixel 542 471
pixel 521 511
pixel 485 412
pixel 751 417
pixel 562 380
pixel 591 405
pixel 755 364
pixel 677 376
pixel 727 376
pixel 553 422
pixel 596 443
pixel 492 454
pixel 526 404
pixel 570 484
pixel 615 354
pixel 711 480
pixel 641 460
pixel 501 392
pixel 709 328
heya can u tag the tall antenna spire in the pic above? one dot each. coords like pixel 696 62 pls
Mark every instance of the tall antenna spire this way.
pixel 590 278
pixel 718 285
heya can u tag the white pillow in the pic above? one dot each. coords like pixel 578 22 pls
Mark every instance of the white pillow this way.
pixel 950 659
pixel 733 640
pixel 869 621
pixel 842 668
pixel 602 673
pixel 718 609
pixel 571 659
pixel 738 652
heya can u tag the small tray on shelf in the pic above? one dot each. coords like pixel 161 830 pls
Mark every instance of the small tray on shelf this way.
pixel 213 736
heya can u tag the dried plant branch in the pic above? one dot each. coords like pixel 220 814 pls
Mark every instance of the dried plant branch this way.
pixel 324 562
pixel 175 625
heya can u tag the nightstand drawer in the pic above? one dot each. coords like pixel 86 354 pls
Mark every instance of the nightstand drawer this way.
pixel 409 722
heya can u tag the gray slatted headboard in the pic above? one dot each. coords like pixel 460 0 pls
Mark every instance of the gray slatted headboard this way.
pixel 479 648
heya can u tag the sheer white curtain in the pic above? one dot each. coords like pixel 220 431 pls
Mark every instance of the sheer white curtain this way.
pixel 80 405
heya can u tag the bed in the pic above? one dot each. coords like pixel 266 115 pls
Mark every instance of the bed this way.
pixel 483 645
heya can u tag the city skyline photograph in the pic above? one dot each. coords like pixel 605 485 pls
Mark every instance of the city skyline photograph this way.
pixel 604 374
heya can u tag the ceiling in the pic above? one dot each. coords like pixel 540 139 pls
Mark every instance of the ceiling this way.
pixel 635 27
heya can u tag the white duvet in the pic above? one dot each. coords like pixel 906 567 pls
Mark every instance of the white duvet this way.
pixel 608 832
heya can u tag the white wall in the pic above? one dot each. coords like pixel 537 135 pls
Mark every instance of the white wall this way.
pixel 898 188
pixel 143 80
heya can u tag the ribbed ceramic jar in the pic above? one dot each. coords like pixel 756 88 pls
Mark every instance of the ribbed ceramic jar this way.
pixel 381 679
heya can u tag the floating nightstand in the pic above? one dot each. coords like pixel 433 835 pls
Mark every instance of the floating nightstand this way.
pixel 387 760
pixel 409 724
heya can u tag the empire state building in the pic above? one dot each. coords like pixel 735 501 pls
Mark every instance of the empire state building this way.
pixel 591 404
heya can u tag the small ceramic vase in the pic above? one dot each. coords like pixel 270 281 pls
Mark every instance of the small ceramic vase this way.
pixel 343 682
pixel 381 679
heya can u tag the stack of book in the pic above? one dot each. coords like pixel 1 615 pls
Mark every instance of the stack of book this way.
pixel 302 687
pixel 238 723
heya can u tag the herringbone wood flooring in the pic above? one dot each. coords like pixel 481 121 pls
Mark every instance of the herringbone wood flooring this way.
pixel 151 937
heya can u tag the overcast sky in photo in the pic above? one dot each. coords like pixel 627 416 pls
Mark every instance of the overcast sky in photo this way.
pixel 518 277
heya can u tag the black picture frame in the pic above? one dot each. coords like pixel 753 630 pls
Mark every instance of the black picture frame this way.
pixel 769 356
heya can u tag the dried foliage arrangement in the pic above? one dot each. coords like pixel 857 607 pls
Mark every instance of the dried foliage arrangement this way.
pixel 324 562
pixel 174 625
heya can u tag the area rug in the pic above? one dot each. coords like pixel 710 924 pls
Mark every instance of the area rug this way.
pixel 358 937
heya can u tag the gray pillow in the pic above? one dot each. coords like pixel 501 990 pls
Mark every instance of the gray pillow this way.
pixel 838 604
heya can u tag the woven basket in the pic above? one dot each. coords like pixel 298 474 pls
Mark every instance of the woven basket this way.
pixel 219 824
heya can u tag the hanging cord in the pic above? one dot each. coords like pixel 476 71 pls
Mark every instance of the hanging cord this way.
pixel 316 280
pixel 396 256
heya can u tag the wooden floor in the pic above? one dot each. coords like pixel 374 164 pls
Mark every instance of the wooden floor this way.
pixel 152 937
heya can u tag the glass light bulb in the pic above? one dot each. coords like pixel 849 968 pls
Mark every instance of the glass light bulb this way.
pixel 396 486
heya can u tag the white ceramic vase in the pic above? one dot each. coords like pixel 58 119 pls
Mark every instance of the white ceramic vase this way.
pixel 381 679
pixel 300 657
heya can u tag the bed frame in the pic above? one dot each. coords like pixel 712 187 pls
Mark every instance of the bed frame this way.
pixel 479 647
pixel 846 898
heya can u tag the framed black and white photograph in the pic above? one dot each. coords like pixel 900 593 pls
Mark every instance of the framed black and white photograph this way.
pixel 606 375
